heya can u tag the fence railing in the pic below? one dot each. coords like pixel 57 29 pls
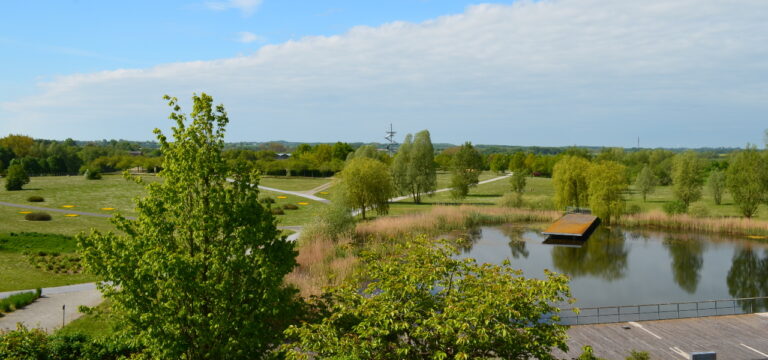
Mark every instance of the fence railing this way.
pixel 663 311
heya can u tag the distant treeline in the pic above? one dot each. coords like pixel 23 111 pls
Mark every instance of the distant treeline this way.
pixel 40 157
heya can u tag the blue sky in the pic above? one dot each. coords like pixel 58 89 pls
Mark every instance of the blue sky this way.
pixel 551 72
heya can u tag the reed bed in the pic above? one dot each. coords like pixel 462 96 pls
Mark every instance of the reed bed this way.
pixel 322 262
pixel 722 225
pixel 446 218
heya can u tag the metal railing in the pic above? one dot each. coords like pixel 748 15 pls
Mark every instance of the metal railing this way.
pixel 663 311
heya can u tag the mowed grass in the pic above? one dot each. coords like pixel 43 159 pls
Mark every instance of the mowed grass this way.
pixel 307 209
pixel 293 183
pixel 16 273
pixel 99 323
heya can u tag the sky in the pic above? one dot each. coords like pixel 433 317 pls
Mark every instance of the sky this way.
pixel 673 73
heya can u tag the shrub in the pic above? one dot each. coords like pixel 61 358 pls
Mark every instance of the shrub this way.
pixel 511 200
pixel 698 210
pixel 35 199
pixel 23 344
pixel 675 207
pixel 38 216
pixel 290 207
pixel 267 200
pixel 91 172
pixel 18 301
pixel 633 209
pixel 16 178
pixel 278 211
pixel 638 355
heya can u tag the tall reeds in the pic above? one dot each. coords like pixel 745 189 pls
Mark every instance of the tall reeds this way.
pixel 681 222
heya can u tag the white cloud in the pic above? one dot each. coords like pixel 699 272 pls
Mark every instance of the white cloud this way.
pixel 246 7
pixel 561 72
pixel 246 37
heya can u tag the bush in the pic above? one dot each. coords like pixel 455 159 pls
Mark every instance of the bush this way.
pixel 38 216
pixel 18 301
pixel 290 207
pixel 35 199
pixel 633 209
pixel 638 355
pixel 267 200
pixel 16 178
pixel 675 207
pixel 92 173
pixel 698 210
pixel 278 211
pixel 333 222
pixel 511 200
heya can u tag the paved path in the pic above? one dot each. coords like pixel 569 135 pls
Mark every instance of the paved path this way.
pixel 400 198
pixel 46 312
pixel 731 337
pixel 319 188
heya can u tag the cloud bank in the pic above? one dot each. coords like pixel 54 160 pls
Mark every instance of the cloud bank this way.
pixel 553 72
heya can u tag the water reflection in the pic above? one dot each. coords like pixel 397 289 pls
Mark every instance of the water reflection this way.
pixel 687 261
pixel 604 255
pixel 748 276
pixel 517 246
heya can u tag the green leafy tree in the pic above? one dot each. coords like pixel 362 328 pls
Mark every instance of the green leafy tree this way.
pixel 645 182
pixel 199 273
pixel 425 303
pixel 16 177
pixel 414 169
pixel 518 180
pixel 569 178
pixel 607 182
pixel 466 167
pixel 717 185
pixel 498 163
pixel 687 179
pixel 366 184
pixel 746 180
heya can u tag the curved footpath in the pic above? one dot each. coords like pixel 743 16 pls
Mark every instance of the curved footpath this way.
pixel 46 312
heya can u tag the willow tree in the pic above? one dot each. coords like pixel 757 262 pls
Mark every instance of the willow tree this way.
pixel 746 180
pixel 569 177
pixel 414 170
pixel 199 273
pixel 607 181
pixel 645 182
pixel 687 179
pixel 366 184
pixel 467 164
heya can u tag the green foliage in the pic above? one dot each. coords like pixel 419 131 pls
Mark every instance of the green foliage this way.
pixel 675 207
pixel 290 207
pixel 746 179
pixel 24 344
pixel 57 263
pixel 511 200
pixel 698 210
pixel 28 242
pixel 18 301
pixel 91 172
pixel 16 177
pixel 414 171
pixel 645 182
pixel 717 184
pixel 498 163
pixel 687 179
pixel 588 354
pixel 467 164
pixel 425 303
pixel 518 180
pixel 334 221
pixel 38 216
pixel 198 274
pixel 638 355
pixel 607 181
pixel 366 183
pixel 35 199
pixel 569 178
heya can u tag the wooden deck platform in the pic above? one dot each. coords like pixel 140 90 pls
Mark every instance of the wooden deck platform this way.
pixel 731 337
pixel 574 225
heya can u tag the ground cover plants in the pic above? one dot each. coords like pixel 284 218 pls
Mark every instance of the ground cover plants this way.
pixel 18 300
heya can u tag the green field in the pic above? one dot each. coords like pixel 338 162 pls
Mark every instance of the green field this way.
pixel 98 324
pixel 16 273
pixel 293 183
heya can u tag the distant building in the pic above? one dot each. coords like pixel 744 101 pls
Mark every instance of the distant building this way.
pixel 282 156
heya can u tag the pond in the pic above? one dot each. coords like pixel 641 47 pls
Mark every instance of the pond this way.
pixel 621 267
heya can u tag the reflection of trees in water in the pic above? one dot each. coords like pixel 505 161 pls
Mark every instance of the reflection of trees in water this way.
pixel 516 241
pixel 604 255
pixel 468 239
pixel 748 277
pixel 687 261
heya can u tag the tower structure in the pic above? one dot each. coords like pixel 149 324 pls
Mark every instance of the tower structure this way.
pixel 391 143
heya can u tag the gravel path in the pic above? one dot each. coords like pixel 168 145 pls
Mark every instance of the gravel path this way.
pixel 46 312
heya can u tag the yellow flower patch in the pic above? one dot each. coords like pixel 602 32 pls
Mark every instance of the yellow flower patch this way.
pixel 25 212
pixel 71 215
pixel 324 192
pixel 303 203
pixel 107 209
pixel 282 197
pixel 68 206
pixel 757 237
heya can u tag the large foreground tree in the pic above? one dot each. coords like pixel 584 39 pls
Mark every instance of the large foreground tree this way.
pixel 424 303
pixel 199 273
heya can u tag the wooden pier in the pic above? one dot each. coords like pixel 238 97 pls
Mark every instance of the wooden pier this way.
pixel 573 226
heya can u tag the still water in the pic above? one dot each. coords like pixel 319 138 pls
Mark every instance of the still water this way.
pixel 618 267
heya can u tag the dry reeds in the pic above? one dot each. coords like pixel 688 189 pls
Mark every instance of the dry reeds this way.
pixel 321 262
pixel 722 225
pixel 446 218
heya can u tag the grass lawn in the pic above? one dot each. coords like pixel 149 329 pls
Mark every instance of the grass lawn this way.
pixel 16 273
pixel 306 211
pixel 98 324
pixel 293 183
